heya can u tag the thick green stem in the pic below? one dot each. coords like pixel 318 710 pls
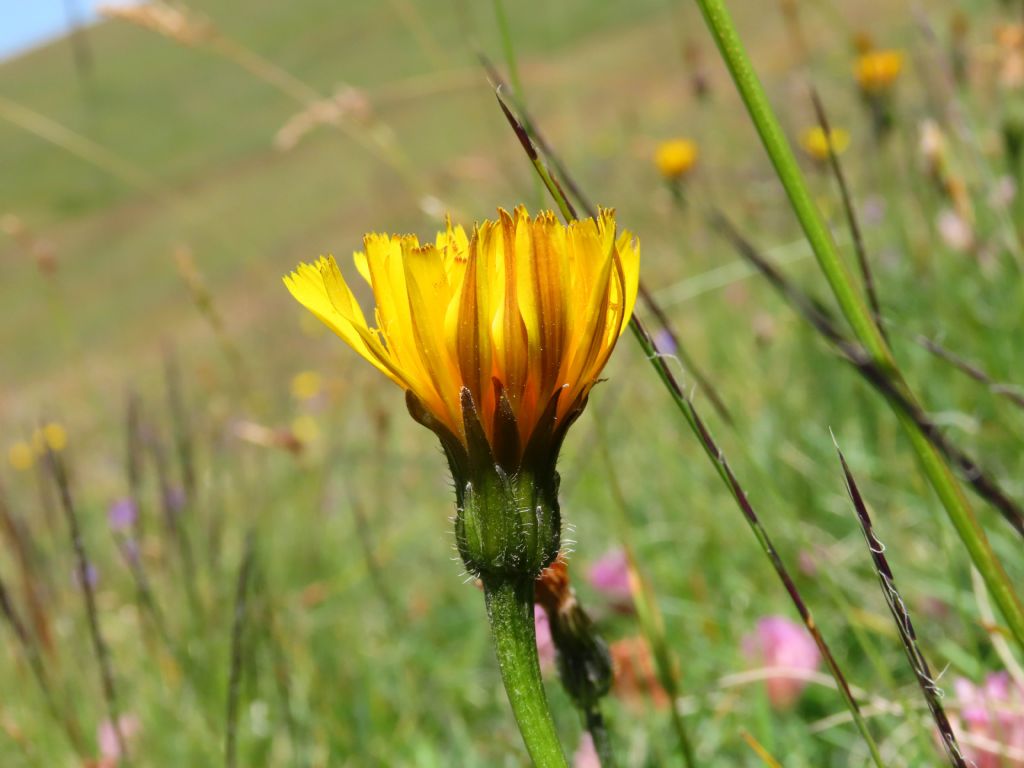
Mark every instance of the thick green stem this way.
pixel 510 611
pixel 856 310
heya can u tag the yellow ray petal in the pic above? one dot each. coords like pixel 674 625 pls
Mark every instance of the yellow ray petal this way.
pixel 322 290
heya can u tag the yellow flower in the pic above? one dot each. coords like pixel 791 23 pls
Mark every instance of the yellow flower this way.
pixel 675 158
pixel 506 329
pixel 877 70
pixel 306 385
pixel 816 143
pixel 52 436
pixel 21 456
pixel 305 429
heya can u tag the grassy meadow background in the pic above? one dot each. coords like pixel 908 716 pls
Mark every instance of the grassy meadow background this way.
pixel 363 643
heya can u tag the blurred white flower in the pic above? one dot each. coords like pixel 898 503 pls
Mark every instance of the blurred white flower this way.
pixel 932 145
pixel 1002 193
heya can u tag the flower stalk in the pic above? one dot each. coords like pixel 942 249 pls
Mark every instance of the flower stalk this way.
pixel 510 613
pixel 497 337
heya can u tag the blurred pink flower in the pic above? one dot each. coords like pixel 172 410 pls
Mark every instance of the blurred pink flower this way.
pixel 994 713
pixel 545 644
pixel 609 575
pixel 955 231
pixel 106 737
pixel 586 754
pixel 779 642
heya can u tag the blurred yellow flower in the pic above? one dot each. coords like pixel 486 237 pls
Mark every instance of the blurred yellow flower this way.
pixel 816 144
pixel 21 456
pixel 877 70
pixel 52 436
pixel 305 429
pixel 512 323
pixel 675 158
pixel 1010 55
pixel 306 385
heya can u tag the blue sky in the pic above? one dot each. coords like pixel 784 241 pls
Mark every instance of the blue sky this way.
pixel 26 23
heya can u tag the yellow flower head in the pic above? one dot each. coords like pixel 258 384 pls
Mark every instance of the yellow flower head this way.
pixel 675 158
pixel 498 334
pixel 877 70
pixel 816 143
pixel 52 436
pixel 21 456
pixel 306 385
pixel 305 429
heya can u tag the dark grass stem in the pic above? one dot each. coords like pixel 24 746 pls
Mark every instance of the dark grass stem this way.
pixel 143 589
pixel 375 570
pixel 596 726
pixel 172 515
pixel 857 313
pixel 279 661
pixel 509 49
pixel 901 616
pixel 32 568
pixel 646 297
pixel 46 501
pixel 134 457
pixel 35 664
pixel 648 614
pixel 237 651
pixel 1011 392
pixel 821 319
pixel 184 442
pixel 60 477
pixel 849 210
pixel 717 458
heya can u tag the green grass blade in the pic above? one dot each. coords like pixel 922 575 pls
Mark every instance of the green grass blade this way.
pixel 855 309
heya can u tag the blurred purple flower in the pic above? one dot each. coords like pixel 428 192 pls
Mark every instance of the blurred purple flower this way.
pixel 609 575
pixel 872 211
pixel 545 643
pixel 130 550
pixel 122 515
pixel 586 754
pixel 106 737
pixel 993 713
pixel 663 342
pixel 174 498
pixel 786 645
pixel 92 576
